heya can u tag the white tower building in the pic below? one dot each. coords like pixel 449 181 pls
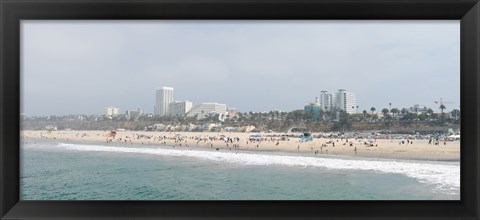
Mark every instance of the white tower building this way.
pixel 111 111
pixel 346 101
pixel 327 101
pixel 164 96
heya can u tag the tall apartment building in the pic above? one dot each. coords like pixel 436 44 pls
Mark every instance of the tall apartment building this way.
pixel 163 98
pixel 346 101
pixel 204 109
pixel 341 100
pixel 111 111
pixel 327 101
pixel 180 108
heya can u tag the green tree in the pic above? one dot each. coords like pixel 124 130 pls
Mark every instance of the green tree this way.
pixel 423 117
pixel 409 117
pixel 395 111
pixel 430 111
pixel 307 116
pixel 442 107
pixel 372 109
pixel 364 114
pixel 385 113
pixel 344 122
pixel 321 114
pixel 455 114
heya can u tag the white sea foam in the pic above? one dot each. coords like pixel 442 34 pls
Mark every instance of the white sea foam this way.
pixel 445 175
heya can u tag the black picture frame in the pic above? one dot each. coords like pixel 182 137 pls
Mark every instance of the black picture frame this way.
pixel 12 11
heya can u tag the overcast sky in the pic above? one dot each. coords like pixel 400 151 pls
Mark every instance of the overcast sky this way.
pixel 81 67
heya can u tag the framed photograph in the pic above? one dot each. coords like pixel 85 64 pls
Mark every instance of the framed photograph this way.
pixel 237 109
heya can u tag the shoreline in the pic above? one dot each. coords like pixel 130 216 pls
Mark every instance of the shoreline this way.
pixel 383 148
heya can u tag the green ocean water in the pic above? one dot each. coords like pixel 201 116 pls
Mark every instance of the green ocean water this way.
pixel 53 170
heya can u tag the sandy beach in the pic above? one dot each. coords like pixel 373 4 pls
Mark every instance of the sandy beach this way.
pixel 380 148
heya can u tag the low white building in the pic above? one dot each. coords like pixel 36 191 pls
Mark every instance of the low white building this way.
pixel 180 108
pixel 204 109
pixel 134 113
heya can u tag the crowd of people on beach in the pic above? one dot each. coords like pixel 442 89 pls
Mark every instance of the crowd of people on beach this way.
pixel 225 141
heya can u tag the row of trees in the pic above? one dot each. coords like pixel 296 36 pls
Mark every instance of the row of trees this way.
pixel 273 120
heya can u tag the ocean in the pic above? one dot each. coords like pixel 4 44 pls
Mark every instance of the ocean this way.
pixel 61 170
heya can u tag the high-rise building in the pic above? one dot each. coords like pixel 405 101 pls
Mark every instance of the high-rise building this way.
pixel 164 96
pixel 180 108
pixel 346 101
pixel 111 111
pixel 341 100
pixel 328 101
pixel 204 109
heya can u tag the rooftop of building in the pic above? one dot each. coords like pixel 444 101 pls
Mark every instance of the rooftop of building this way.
pixel 164 87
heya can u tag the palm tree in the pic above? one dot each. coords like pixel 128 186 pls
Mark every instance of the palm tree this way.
pixel 364 114
pixel 442 107
pixel 385 112
pixel 372 109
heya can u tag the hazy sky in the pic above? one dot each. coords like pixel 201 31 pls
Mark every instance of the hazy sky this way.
pixel 81 67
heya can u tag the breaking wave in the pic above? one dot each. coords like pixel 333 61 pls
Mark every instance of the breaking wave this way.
pixel 444 175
